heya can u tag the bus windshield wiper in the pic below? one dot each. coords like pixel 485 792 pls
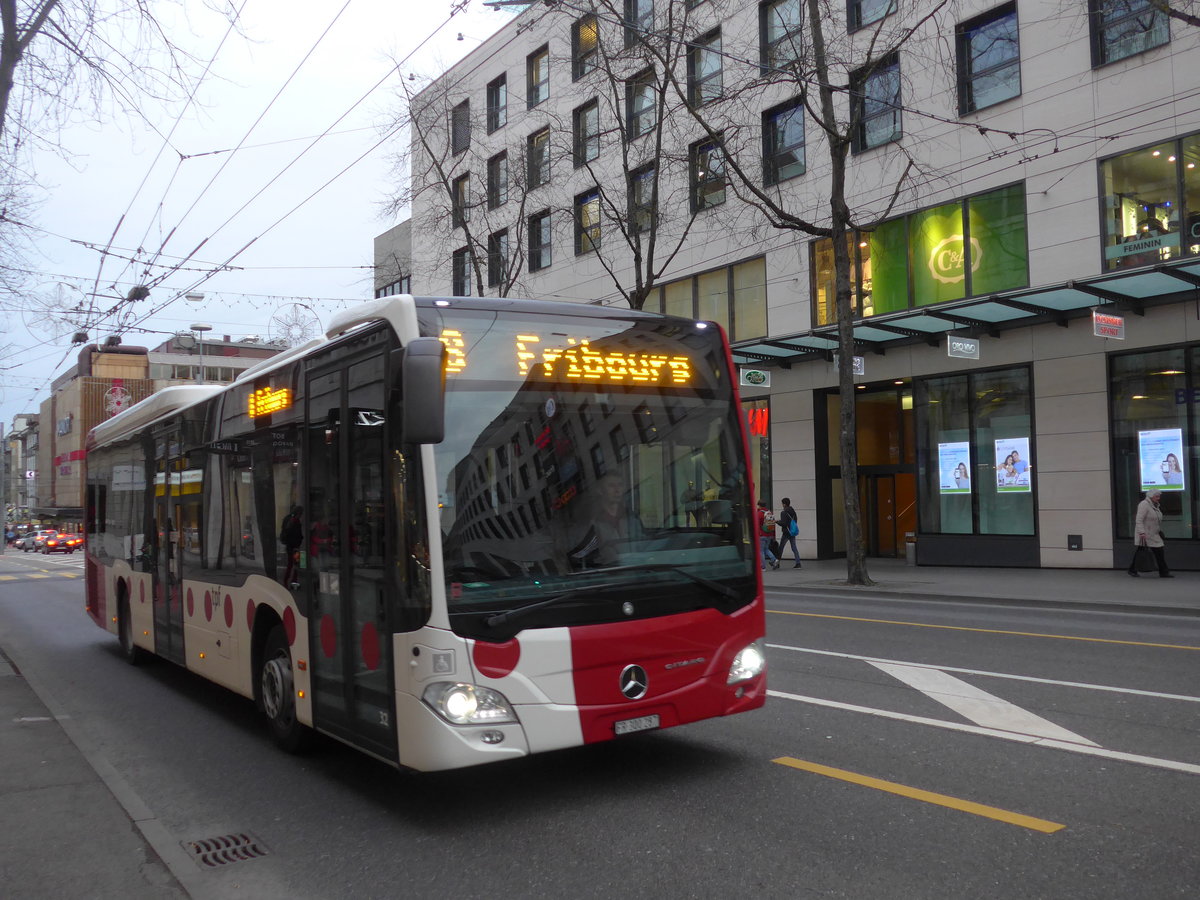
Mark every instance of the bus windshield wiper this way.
pixel 520 611
pixel 715 586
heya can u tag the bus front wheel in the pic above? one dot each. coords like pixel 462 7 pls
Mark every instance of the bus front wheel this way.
pixel 278 693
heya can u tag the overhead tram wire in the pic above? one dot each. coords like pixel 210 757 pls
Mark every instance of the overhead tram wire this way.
pixel 166 142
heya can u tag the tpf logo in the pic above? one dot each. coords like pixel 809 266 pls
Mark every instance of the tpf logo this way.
pixel 948 259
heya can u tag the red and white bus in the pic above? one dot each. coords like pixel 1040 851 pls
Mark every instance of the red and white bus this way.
pixel 451 532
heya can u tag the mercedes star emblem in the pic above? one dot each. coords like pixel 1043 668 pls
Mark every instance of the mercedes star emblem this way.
pixel 634 682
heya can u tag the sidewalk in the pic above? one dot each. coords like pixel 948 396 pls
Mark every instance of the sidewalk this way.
pixel 1098 588
pixel 63 832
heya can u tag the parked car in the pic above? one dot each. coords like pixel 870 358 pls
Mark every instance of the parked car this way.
pixel 34 540
pixel 62 543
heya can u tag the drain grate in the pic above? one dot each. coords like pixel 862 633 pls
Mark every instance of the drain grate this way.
pixel 209 853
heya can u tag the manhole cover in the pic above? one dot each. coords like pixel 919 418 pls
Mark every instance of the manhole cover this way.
pixel 225 850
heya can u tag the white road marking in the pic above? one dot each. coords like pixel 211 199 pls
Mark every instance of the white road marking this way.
pixel 1188 768
pixel 1075 684
pixel 979 706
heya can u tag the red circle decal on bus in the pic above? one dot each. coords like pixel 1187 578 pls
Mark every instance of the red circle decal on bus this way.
pixel 328 636
pixel 228 611
pixel 208 605
pixel 289 625
pixel 496 660
pixel 190 605
pixel 370 646
pixel 250 614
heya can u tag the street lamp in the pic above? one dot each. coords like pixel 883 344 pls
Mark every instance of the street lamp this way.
pixel 201 327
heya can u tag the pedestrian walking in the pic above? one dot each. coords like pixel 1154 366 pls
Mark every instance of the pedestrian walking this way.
pixel 765 522
pixel 1147 532
pixel 789 523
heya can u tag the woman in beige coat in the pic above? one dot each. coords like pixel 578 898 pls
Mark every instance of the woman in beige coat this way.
pixel 1147 532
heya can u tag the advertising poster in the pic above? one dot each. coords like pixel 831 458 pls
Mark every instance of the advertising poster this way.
pixel 1013 465
pixel 954 467
pixel 1160 459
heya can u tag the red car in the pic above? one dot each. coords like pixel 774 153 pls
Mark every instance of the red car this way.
pixel 62 543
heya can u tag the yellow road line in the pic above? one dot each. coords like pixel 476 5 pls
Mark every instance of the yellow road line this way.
pixel 1060 637
pixel 978 809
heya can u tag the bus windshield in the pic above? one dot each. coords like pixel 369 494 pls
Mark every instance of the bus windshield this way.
pixel 593 470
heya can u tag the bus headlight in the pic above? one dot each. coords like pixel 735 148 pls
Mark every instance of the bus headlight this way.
pixel 749 663
pixel 468 704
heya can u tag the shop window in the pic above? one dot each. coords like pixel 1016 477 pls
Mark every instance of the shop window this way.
pixel 968 248
pixel 1155 436
pixel 976 459
pixel 735 296
pixel 1146 220
pixel 989 59
pixel 1123 28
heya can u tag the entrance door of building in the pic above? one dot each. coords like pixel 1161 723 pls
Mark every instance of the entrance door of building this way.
pixel 889 511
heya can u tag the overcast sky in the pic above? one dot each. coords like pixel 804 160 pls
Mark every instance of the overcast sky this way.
pixel 321 251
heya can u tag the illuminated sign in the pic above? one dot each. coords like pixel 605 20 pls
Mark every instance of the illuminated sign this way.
pixel 578 361
pixel 265 401
pixel 948 259
pixel 1106 325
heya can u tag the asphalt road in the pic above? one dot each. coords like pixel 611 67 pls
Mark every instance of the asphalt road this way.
pixel 909 750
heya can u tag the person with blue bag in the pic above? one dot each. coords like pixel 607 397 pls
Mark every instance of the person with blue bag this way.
pixel 788 521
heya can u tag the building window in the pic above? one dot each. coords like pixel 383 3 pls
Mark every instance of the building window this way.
pixel 642 186
pixel 497 181
pixel 585 38
pixel 461 272
pixel 982 423
pixel 402 285
pixel 587 133
pixel 708 175
pixel 989 59
pixel 735 296
pixel 537 77
pixel 783 142
pixel 538 158
pixel 639 20
pixel 539 241
pixel 1153 436
pixel 497 259
pixel 460 127
pixel 1147 220
pixel 497 103
pixel 779 26
pixel 1124 28
pixel 865 12
pixel 641 93
pixel 460 200
pixel 875 99
pixel 704 69
pixel 587 222
pixel 963 249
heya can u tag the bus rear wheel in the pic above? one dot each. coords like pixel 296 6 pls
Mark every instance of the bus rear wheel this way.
pixel 278 694
pixel 134 655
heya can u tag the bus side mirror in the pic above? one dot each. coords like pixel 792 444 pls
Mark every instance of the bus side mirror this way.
pixel 422 375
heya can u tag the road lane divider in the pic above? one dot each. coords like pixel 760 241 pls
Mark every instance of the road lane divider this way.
pixel 1015 737
pixel 903 790
pixel 1034 634
pixel 1157 695
pixel 978 705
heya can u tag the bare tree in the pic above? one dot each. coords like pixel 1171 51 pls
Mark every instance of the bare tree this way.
pixel 1186 11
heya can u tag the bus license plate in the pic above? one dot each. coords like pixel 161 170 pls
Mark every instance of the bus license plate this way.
pixel 629 726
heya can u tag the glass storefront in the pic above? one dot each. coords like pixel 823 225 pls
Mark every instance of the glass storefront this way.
pixel 1150 201
pixel 976 459
pixel 758 422
pixel 1154 397
pixel 962 249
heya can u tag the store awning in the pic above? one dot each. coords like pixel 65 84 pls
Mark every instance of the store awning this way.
pixel 1121 294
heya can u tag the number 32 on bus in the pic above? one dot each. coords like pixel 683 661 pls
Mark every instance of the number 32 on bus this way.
pixel 453 531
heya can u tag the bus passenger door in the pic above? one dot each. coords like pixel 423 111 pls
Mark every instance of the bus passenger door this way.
pixel 168 601
pixel 350 656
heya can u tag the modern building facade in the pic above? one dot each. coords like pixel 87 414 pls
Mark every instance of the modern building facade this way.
pixel 1024 201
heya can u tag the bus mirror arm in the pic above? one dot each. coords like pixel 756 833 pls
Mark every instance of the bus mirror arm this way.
pixel 422 383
